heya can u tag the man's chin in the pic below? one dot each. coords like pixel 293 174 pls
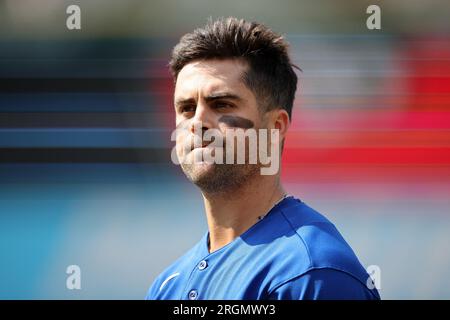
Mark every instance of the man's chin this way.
pixel 198 171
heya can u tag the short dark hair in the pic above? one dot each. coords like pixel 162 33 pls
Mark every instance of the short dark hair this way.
pixel 270 75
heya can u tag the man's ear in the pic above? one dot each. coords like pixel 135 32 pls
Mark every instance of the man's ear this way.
pixel 280 121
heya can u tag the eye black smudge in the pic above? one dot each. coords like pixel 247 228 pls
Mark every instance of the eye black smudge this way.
pixel 237 122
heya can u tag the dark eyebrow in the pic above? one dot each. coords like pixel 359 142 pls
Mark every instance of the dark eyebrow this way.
pixel 210 98
pixel 182 101
pixel 223 95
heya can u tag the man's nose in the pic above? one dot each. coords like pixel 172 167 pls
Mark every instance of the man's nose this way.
pixel 203 118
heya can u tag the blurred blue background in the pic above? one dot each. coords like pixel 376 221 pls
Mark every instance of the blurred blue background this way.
pixel 86 116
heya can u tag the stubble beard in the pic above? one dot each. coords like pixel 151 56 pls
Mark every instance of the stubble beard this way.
pixel 220 178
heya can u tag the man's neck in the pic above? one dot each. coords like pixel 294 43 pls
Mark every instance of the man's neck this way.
pixel 232 213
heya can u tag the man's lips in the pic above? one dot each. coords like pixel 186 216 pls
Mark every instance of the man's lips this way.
pixel 203 146
pixel 191 147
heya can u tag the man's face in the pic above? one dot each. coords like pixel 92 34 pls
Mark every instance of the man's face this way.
pixel 212 93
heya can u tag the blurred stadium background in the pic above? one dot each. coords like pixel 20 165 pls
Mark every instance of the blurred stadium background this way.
pixel 86 117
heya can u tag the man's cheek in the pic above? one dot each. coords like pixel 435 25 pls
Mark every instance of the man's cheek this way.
pixel 180 148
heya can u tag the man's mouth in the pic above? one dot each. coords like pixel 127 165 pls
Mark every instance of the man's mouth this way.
pixel 192 148
pixel 203 145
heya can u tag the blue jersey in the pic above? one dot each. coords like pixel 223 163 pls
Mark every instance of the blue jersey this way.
pixel 294 252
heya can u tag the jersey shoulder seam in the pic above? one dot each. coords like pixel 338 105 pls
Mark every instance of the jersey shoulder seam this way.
pixel 288 221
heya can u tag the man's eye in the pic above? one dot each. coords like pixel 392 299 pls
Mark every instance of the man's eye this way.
pixel 187 109
pixel 222 105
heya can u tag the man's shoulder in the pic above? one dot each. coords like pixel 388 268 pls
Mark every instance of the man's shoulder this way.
pixel 313 239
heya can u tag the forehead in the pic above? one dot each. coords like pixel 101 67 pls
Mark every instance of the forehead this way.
pixel 206 76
